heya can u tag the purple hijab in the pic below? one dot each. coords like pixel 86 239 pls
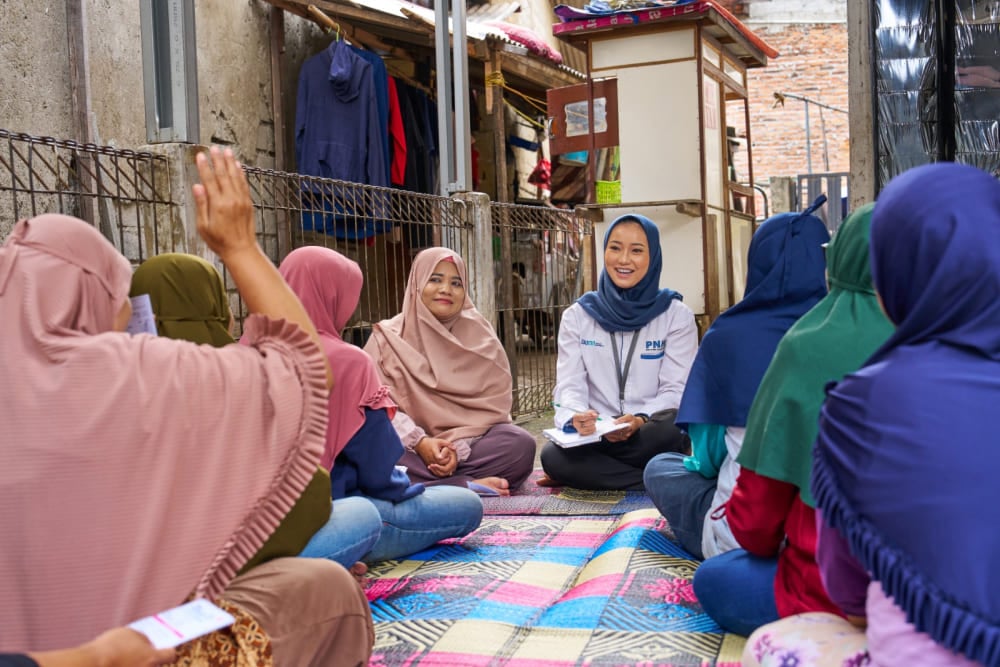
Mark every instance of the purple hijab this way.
pixel 906 460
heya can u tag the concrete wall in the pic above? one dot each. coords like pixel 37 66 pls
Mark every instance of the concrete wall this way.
pixel 234 76
pixel 234 72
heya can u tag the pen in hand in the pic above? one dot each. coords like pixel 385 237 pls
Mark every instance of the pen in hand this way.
pixel 597 418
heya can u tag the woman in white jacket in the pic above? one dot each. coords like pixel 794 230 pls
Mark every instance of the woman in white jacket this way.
pixel 624 354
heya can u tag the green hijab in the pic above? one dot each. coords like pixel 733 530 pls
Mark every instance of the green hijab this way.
pixel 834 338
pixel 189 300
pixel 190 303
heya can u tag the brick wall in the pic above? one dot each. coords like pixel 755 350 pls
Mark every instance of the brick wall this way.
pixel 812 63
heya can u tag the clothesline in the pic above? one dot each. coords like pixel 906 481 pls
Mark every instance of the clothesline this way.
pixel 497 80
pixel 534 123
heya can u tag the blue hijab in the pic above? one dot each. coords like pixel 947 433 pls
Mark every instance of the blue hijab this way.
pixel 616 309
pixel 785 278
pixel 907 459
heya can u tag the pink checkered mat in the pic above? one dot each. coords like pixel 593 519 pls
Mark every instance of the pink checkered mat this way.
pixel 534 591
pixel 531 499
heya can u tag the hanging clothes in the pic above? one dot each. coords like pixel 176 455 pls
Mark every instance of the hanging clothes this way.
pixel 397 136
pixel 380 84
pixel 339 135
pixel 417 174
pixel 419 115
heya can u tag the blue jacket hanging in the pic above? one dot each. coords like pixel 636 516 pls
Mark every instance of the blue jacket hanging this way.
pixel 338 136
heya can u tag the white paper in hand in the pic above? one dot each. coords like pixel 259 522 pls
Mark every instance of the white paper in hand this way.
pixel 182 624
pixel 143 320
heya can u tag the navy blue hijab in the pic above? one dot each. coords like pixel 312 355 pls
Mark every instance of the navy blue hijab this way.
pixel 907 461
pixel 616 309
pixel 785 278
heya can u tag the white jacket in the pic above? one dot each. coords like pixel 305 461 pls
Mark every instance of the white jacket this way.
pixel 586 377
pixel 716 535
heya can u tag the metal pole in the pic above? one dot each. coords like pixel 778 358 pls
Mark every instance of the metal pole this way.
pixel 809 157
pixel 463 134
pixel 446 141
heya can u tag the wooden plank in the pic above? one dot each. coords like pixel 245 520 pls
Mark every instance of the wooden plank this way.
pixel 277 45
pixel 536 75
pixel 499 129
pixel 861 182
pixel 79 77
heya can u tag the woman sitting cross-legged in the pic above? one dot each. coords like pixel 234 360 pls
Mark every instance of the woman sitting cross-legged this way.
pixel 449 375
pixel 362 447
pixel 150 470
pixel 785 278
pixel 624 352
pixel 771 512
pixel 905 465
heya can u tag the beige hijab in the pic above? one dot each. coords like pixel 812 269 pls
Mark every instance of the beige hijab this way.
pixel 451 377
pixel 133 470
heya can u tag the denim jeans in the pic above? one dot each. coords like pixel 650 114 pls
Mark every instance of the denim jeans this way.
pixel 371 530
pixel 683 497
pixel 353 529
pixel 737 590
pixel 436 514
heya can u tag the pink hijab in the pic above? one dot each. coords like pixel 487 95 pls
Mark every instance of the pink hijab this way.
pixel 125 481
pixel 329 286
pixel 451 377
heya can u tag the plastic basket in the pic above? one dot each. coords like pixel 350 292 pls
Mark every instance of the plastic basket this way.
pixel 609 192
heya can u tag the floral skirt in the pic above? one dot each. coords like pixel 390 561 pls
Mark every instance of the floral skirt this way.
pixel 816 639
pixel 244 644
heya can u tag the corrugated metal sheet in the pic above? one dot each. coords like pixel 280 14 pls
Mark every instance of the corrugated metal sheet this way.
pixel 492 11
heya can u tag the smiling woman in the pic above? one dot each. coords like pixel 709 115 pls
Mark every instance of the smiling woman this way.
pixel 599 371
pixel 444 293
pixel 449 374
pixel 626 256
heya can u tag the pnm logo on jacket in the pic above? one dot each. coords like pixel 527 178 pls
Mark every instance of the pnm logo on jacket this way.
pixel 591 343
pixel 654 349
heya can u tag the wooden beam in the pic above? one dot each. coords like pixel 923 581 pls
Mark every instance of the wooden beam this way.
pixel 499 127
pixel 536 74
pixel 277 29
pixel 861 104
pixel 79 71
pixel 472 46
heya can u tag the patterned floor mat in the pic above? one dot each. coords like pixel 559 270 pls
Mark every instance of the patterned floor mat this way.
pixel 533 500
pixel 547 591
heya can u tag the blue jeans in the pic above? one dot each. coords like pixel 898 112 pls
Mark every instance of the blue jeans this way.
pixel 682 496
pixel 353 529
pixel 370 530
pixel 737 590
pixel 436 514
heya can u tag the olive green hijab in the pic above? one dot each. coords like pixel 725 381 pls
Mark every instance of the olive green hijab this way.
pixel 188 298
pixel 189 303
pixel 834 338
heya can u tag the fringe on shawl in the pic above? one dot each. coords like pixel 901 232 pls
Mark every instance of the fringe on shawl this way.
pixel 296 471
pixel 926 606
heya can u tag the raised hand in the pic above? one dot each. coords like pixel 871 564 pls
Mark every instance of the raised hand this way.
pixel 223 204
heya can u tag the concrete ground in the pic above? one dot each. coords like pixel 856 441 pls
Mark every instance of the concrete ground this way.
pixel 535 425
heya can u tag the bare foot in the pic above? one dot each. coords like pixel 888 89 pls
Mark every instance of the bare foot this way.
pixel 546 481
pixel 358 571
pixel 498 484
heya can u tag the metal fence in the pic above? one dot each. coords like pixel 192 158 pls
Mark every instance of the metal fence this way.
pixel 537 258
pixel 125 193
pixel 834 186
pixel 379 228
pixel 128 195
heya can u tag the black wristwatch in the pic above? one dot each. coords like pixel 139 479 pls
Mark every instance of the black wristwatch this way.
pixel 645 417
